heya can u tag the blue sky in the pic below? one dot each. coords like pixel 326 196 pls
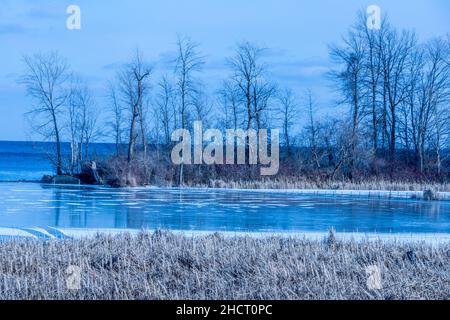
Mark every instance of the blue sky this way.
pixel 297 32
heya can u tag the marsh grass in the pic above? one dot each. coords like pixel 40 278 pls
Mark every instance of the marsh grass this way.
pixel 372 184
pixel 162 265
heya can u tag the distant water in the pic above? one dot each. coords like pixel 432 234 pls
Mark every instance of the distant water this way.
pixel 213 210
pixel 29 161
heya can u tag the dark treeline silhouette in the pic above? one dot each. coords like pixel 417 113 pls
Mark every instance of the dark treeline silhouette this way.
pixel 398 91
pixel 393 121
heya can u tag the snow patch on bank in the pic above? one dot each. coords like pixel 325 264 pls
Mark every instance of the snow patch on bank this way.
pixel 310 235
pixel 74 233
pixel 372 194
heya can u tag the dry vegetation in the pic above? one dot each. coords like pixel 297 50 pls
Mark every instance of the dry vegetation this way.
pixel 162 173
pixel 373 184
pixel 167 266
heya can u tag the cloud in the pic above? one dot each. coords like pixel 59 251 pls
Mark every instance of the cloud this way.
pixel 11 75
pixel 275 52
pixel 113 66
pixel 168 57
pixel 11 29
pixel 313 71
pixel 50 11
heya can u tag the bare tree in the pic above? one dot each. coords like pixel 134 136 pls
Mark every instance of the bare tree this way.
pixel 288 111
pixel 395 59
pixel 73 124
pixel 230 103
pixel 247 70
pixel 82 120
pixel 116 124
pixel 263 94
pixel 188 63
pixel 202 107
pixel 372 69
pixel 436 95
pixel 165 105
pixel 134 86
pixel 350 80
pixel 45 78
pixel 89 120
pixel 312 130
pixel 251 87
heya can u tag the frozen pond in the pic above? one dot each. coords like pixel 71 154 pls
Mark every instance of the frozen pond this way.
pixel 24 205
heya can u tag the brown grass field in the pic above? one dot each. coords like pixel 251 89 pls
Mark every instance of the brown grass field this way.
pixel 163 265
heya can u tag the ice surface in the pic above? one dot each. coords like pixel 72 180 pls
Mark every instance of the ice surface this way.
pixel 282 211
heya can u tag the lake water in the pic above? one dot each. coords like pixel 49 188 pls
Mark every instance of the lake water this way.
pixel 29 161
pixel 25 205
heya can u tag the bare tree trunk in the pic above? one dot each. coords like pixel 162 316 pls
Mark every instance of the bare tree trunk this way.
pixel 132 138
pixel 313 132
pixel 59 170
pixel 45 81
pixel 133 80
pixel 188 62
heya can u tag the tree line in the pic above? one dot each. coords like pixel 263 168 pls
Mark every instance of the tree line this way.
pixel 393 119
pixel 398 92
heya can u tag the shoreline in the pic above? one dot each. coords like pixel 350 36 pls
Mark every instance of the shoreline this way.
pixel 50 233
pixel 370 194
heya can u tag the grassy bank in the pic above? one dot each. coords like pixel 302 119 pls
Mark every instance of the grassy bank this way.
pixel 372 184
pixel 167 266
